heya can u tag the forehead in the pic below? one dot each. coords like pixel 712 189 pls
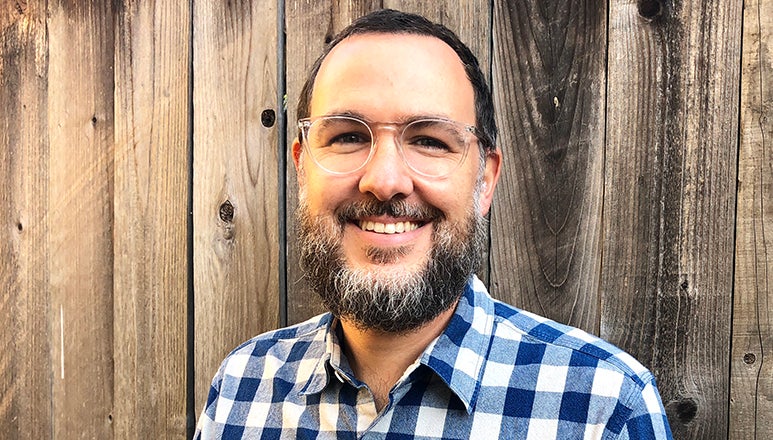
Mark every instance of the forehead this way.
pixel 392 76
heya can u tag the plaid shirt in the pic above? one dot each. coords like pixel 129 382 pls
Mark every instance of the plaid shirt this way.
pixel 496 372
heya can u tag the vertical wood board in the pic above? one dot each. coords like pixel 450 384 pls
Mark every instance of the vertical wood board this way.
pixel 152 115
pixel 668 216
pixel 235 187
pixel 642 179
pixel 80 217
pixel 751 380
pixel 546 221
pixel 25 351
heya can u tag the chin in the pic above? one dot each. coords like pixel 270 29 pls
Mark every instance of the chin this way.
pixel 391 261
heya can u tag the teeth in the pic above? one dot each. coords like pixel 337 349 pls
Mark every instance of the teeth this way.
pixel 388 228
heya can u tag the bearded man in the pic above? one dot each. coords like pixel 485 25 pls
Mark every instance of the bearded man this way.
pixel 397 165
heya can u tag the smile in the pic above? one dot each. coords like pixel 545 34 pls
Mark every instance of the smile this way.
pixel 388 228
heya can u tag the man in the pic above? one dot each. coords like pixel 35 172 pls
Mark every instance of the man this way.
pixel 397 167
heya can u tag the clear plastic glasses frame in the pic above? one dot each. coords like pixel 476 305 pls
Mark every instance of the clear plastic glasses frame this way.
pixel 431 147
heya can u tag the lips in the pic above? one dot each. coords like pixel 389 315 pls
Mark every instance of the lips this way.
pixel 388 228
pixel 387 217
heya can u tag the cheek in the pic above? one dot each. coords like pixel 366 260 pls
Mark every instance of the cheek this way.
pixel 323 193
pixel 456 197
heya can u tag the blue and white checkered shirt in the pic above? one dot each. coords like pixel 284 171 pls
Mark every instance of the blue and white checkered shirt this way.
pixel 496 372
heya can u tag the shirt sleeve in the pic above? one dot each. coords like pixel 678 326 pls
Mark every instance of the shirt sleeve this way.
pixel 647 419
pixel 207 428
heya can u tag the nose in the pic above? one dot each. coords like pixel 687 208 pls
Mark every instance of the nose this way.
pixel 386 175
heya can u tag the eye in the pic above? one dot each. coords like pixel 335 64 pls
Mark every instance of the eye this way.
pixel 433 137
pixel 349 138
pixel 348 142
pixel 428 143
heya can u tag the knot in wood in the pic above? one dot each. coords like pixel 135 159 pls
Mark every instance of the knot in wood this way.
pixel 683 410
pixel 649 9
pixel 268 117
pixel 749 358
pixel 227 211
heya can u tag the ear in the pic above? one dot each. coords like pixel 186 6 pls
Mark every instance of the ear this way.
pixel 490 179
pixel 297 150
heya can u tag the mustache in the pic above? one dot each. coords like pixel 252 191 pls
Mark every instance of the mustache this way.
pixel 393 208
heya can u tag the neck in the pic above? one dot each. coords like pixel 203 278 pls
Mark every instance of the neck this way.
pixel 380 358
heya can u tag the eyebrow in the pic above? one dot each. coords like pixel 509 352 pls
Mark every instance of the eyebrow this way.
pixel 401 120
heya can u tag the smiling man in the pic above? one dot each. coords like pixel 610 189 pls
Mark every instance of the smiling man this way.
pixel 397 165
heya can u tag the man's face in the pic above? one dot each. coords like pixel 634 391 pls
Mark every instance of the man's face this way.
pixel 348 223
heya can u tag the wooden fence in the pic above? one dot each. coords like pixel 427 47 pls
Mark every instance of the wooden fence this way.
pixel 146 198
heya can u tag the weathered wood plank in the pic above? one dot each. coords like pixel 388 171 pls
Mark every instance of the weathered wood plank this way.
pixel 546 220
pixel 751 381
pixel 236 250
pixel 309 25
pixel 669 200
pixel 152 117
pixel 80 216
pixel 25 351
pixel 643 174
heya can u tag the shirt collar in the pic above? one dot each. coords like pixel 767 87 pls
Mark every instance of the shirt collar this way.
pixel 457 356
pixel 324 346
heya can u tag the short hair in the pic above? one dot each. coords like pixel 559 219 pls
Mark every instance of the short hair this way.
pixel 390 21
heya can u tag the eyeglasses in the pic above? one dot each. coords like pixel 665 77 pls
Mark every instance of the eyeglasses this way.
pixel 432 147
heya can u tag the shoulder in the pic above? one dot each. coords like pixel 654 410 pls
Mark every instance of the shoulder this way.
pixel 560 344
pixel 260 371
pixel 525 339
pixel 285 346
pixel 561 372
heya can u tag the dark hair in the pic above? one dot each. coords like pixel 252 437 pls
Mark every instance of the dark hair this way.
pixel 390 21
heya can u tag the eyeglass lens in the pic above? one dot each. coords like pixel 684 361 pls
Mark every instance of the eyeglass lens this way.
pixel 431 147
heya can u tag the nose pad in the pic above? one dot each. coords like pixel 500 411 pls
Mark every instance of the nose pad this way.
pixel 386 174
pixel 392 142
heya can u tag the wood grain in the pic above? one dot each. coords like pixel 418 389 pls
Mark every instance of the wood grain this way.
pixel 235 172
pixel 80 217
pixel 616 211
pixel 751 380
pixel 26 335
pixel 546 221
pixel 152 122
pixel 669 200
pixel 309 25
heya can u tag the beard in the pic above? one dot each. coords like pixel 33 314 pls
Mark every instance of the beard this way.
pixel 395 299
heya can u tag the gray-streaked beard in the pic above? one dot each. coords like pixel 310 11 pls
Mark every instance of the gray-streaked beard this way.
pixel 394 300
